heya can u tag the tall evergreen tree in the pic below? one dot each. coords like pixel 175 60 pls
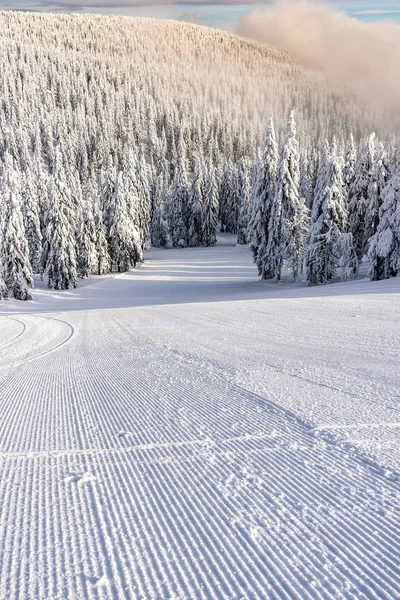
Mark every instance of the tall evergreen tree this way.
pixel 125 244
pixel 102 253
pixel 144 201
pixel 328 221
pixel 3 287
pixel 228 198
pixel 264 198
pixel 18 277
pixel 32 222
pixel 195 212
pixel 358 195
pixel 349 167
pixel 210 206
pixel 59 248
pixel 288 225
pixel 384 246
pixel 159 220
pixel 87 255
pixel 377 183
pixel 244 214
pixel 305 178
pixel 108 182
pixel 178 206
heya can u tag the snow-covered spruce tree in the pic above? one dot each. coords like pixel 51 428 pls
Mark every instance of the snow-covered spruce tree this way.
pixel 350 161
pixel 18 277
pixel 288 227
pixel 107 185
pixel 210 206
pixel 347 261
pixel 125 244
pixel 32 222
pixel 232 218
pixel 245 191
pixel 377 184
pixel 87 255
pixel 103 256
pixel 59 249
pixel 75 187
pixel 159 222
pixel 143 207
pixel 178 206
pixel 384 246
pixel 195 211
pixel 305 178
pixel 40 180
pixel 228 198
pixel 313 168
pixel 254 178
pixel 263 200
pixel 3 287
pixel 328 221
pixel 357 201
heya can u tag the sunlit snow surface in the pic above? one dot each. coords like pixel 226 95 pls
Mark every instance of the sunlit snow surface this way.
pixel 185 431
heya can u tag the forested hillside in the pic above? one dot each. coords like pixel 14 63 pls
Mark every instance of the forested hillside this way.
pixel 119 133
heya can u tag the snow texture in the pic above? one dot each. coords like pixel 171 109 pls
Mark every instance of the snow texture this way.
pixel 186 431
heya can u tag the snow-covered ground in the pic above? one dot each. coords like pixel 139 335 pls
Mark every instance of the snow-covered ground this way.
pixel 186 431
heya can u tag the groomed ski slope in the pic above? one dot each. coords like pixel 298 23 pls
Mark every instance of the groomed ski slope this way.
pixel 185 431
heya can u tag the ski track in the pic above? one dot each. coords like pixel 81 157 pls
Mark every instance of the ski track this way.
pixel 133 467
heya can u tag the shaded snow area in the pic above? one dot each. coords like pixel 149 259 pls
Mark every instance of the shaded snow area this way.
pixel 185 431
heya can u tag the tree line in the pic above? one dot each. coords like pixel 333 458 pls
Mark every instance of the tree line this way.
pixel 117 134
pixel 322 217
pixel 315 214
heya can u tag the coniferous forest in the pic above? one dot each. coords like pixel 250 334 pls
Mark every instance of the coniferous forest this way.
pixel 118 134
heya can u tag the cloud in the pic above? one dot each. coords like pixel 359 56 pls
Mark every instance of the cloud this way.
pixel 364 56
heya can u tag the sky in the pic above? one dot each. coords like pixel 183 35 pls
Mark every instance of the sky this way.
pixel 223 14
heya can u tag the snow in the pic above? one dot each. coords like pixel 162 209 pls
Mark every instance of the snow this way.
pixel 186 431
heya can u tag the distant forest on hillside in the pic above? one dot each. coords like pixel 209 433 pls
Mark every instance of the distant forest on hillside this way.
pixel 117 134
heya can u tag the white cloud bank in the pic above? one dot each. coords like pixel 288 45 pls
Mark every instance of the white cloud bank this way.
pixel 365 56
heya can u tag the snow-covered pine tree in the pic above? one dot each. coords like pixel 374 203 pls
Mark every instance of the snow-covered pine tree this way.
pixel 108 182
pixel 178 206
pixel 357 201
pixel 305 183
pixel 288 228
pixel 313 168
pixel 125 244
pixel 347 261
pixel 232 216
pixel 195 211
pixel 350 161
pixel 131 186
pixel 245 192
pixel 3 287
pixel 75 187
pixel 32 222
pixel 103 256
pixel 378 182
pixel 328 220
pixel 59 249
pixel 159 224
pixel 210 205
pixel 40 180
pixel 144 201
pixel 87 255
pixel 18 277
pixel 264 198
pixel 228 198
pixel 255 174
pixel 384 246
